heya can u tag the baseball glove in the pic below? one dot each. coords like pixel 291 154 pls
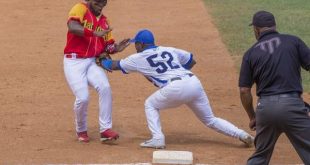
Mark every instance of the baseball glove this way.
pixel 102 56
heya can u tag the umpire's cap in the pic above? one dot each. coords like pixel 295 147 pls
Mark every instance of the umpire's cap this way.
pixel 144 36
pixel 263 19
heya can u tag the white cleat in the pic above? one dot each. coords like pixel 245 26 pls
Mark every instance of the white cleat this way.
pixel 154 143
pixel 247 139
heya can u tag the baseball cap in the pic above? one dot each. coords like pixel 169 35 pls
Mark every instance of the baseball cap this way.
pixel 144 36
pixel 263 19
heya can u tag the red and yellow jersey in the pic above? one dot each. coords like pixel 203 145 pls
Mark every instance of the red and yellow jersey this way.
pixel 87 46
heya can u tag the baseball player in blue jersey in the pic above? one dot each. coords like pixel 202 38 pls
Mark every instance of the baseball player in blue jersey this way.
pixel 169 69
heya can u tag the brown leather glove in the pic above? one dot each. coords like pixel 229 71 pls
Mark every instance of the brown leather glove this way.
pixel 102 56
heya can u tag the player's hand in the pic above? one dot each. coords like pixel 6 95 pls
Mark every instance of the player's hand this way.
pixel 122 45
pixel 102 56
pixel 252 124
pixel 102 33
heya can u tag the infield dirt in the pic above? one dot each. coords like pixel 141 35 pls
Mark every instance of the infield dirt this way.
pixel 36 104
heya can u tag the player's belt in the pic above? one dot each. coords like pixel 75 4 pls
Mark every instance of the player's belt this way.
pixel 175 78
pixel 179 78
pixel 74 56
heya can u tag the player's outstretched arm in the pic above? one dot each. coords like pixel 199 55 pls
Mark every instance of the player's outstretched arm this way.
pixel 110 65
pixel 112 47
pixel 122 45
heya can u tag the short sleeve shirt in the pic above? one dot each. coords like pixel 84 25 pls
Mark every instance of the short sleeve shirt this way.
pixel 87 46
pixel 159 64
pixel 274 64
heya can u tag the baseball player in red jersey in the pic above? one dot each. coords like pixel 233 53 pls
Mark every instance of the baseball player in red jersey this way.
pixel 89 35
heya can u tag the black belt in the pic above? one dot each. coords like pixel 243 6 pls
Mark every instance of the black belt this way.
pixel 179 78
pixel 284 95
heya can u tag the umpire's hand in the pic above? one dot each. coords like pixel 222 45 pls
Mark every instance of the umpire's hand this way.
pixel 252 124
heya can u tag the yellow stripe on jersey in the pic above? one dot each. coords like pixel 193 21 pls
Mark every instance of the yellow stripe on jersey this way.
pixel 77 12
pixel 109 35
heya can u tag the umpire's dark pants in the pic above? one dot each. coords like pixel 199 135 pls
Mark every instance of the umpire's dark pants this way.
pixel 278 114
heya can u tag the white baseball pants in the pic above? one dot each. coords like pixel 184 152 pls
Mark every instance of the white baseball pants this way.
pixel 187 91
pixel 79 74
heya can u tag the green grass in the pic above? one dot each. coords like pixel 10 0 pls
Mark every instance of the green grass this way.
pixel 232 18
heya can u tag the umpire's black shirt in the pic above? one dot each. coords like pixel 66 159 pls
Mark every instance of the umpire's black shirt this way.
pixel 273 63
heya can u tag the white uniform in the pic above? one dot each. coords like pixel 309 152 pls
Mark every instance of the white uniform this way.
pixel 165 67
pixel 79 74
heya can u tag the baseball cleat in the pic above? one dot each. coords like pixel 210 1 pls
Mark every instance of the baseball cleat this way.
pixel 83 137
pixel 108 135
pixel 154 143
pixel 247 139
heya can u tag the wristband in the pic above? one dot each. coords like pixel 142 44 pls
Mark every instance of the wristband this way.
pixel 88 33
pixel 107 64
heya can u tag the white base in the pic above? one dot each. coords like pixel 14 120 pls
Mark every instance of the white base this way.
pixel 173 157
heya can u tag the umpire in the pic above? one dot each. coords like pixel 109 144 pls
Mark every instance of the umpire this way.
pixel 274 64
